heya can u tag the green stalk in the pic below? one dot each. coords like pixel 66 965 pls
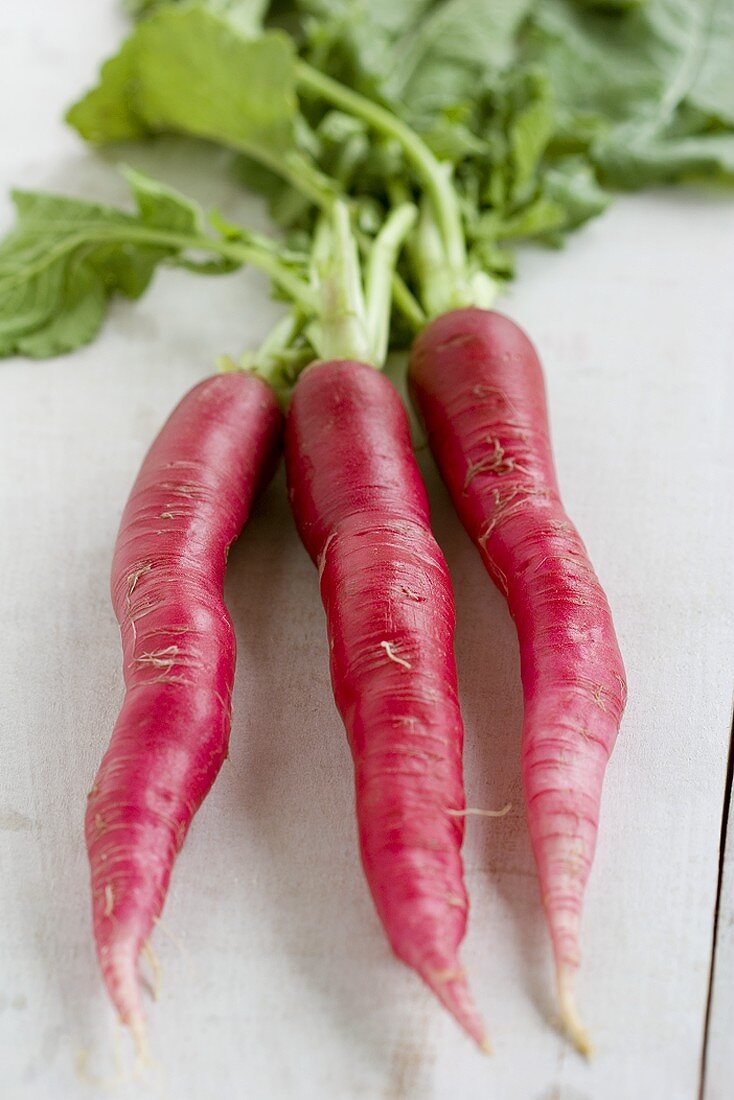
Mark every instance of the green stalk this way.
pixel 280 337
pixel 428 261
pixel 408 304
pixel 239 252
pixel 430 170
pixel 378 277
pixel 341 332
pixel 294 286
pixel 278 360
pixel 302 175
pixel 403 296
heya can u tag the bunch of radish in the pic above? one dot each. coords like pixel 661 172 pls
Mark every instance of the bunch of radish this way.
pixel 366 264
pixel 362 513
pixel 361 510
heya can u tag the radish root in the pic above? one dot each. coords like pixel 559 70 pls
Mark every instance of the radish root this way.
pixel 452 989
pixel 570 1019
pixel 472 811
pixel 139 1032
pixel 155 982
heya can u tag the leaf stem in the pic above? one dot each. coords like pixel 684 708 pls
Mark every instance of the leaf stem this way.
pixel 380 268
pixel 294 286
pixel 274 360
pixel 342 330
pixel 432 173
pixel 305 177
pixel 408 304
pixel 442 286
pixel 240 252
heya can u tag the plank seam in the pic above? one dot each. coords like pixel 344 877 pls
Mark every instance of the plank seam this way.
pixel 726 808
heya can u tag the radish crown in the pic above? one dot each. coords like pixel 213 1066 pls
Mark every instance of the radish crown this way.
pixel 354 318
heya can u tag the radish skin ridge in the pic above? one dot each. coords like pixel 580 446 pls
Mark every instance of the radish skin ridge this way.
pixel 478 385
pixel 362 513
pixel 189 503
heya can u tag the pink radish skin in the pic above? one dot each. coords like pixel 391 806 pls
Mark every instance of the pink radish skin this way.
pixel 477 381
pixel 189 503
pixel 362 513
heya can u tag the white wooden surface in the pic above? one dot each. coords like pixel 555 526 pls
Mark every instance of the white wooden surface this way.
pixel 276 979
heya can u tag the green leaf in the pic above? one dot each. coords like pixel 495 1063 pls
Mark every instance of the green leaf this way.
pixel 246 15
pixel 611 5
pixel 712 89
pixel 353 39
pixel 568 195
pixel 107 113
pixel 529 134
pixel 51 298
pixel 188 70
pixel 162 206
pixel 418 55
pixel 446 58
pixel 631 157
pixel 572 185
pixel 452 138
pixel 65 258
pixel 599 64
pixel 625 80
pixel 54 330
pixel 536 105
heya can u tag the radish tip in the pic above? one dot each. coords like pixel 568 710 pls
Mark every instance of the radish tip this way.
pixel 570 1019
pixel 139 1032
pixel 450 986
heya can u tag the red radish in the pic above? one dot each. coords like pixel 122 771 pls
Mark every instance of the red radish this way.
pixel 189 503
pixel 362 513
pixel 477 382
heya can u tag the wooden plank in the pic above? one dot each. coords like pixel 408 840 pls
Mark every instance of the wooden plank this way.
pixel 719 1062
pixel 275 973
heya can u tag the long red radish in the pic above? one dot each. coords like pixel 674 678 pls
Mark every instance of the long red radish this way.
pixel 189 503
pixel 477 382
pixel 362 513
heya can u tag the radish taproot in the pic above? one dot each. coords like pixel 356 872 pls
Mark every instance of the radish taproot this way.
pixel 189 503
pixel 361 510
pixel 478 384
